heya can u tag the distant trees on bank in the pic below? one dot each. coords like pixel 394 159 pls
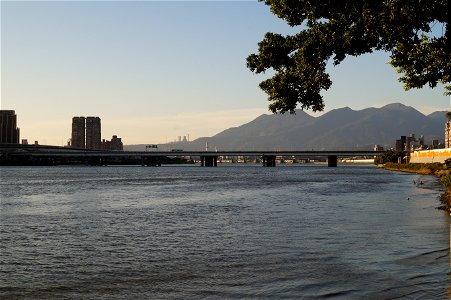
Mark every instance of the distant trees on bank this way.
pixel 388 156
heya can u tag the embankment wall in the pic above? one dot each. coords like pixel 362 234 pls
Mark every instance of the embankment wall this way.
pixel 430 156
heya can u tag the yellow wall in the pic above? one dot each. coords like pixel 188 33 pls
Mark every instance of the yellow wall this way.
pixel 430 156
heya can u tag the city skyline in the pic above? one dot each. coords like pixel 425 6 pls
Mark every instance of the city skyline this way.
pixel 158 70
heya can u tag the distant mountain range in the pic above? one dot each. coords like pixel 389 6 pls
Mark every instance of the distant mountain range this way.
pixel 338 129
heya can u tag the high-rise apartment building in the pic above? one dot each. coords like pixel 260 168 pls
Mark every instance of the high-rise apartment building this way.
pixel 86 133
pixel 78 132
pixel 9 133
pixel 448 134
pixel 93 133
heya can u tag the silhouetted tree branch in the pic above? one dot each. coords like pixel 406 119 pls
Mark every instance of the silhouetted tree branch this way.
pixel 337 29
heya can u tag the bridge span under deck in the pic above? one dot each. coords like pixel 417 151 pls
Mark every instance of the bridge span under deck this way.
pixel 154 158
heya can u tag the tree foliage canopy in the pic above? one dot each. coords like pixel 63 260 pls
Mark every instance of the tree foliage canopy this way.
pixel 336 29
pixel 388 156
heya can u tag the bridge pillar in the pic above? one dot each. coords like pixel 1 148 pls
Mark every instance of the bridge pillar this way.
pixel 269 161
pixel 332 161
pixel 209 161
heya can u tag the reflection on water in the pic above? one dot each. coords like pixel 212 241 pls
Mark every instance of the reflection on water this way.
pixel 226 232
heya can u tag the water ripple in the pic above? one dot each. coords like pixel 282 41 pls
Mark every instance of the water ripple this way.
pixel 229 232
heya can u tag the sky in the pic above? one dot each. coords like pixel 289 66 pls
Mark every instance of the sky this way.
pixel 156 70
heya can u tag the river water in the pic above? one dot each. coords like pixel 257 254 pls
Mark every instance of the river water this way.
pixel 305 231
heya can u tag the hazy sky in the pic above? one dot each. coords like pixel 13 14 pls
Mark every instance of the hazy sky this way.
pixel 155 70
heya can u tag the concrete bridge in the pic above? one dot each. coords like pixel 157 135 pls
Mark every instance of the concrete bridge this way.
pixel 207 158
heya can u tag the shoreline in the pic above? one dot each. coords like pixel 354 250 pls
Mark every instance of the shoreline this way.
pixel 436 169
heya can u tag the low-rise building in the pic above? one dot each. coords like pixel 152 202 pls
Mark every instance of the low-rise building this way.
pixel 114 145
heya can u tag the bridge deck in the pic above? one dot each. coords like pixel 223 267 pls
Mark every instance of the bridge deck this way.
pixel 81 153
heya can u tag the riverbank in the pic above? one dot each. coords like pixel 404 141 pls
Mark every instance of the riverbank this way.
pixel 436 169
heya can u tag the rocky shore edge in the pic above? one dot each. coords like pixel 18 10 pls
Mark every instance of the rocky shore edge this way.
pixel 437 169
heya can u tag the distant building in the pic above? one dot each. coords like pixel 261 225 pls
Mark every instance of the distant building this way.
pixel 435 144
pixel 9 133
pixel 86 133
pixel 401 144
pixel 114 145
pixel 410 142
pixel 421 140
pixel 78 132
pixel 93 133
pixel 398 146
pixel 106 145
pixel 447 134
pixel 378 148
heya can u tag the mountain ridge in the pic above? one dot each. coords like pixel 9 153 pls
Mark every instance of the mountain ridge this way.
pixel 338 129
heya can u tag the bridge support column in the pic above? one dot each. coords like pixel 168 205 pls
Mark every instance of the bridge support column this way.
pixel 208 161
pixel 269 161
pixel 332 161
